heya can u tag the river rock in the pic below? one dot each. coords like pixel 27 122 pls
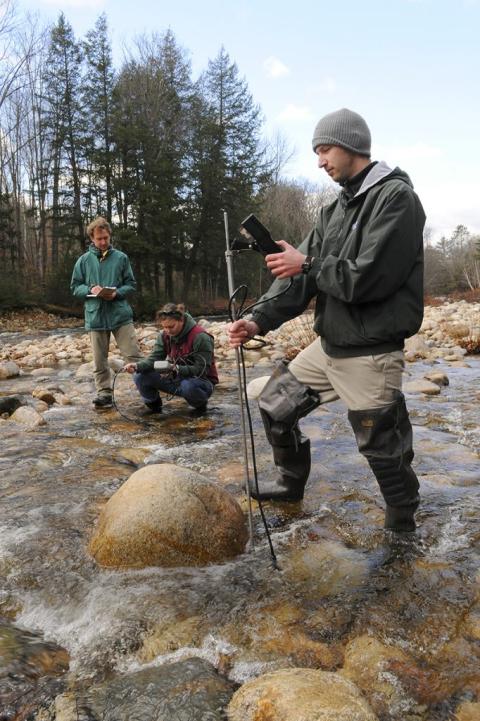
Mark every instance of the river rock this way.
pixel 255 387
pixel 185 691
pixel 468 711
pixel 28 416
pixel 422 386
pixel 371 665
pixel 45 395
pixel 441 379
pixel 325 568
pixel 167 515
pixel 416 347
pixel 9 404
pixel 299 694
pixel 8 369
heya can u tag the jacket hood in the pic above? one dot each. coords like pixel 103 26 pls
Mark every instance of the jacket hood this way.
pixel 379 173
pixel 187 327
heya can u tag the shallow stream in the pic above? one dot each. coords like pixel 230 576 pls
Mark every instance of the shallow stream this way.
pixel 69 624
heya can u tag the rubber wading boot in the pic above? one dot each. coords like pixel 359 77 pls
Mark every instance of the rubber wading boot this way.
pixel 283 401
pixel 293 465
pixel 103 400
pixel 384 437
pixel 153 407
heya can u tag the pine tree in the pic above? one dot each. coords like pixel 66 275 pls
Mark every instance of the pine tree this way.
pixel 151 137
pixel 63 120
pixel 97 99
pixel 229 166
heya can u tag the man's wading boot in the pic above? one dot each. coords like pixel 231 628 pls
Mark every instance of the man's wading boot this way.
pixel 384 437
pixel 293 466
pixel 283 401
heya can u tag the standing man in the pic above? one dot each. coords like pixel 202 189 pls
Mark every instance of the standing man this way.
pixel 189 371
pixel 363 262
pixel 103 278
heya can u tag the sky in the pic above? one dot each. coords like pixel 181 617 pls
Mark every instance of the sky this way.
pixel 409 67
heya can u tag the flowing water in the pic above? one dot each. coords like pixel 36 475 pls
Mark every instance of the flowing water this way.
pixel 340 577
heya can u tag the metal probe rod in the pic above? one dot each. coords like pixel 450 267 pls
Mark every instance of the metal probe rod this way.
pixel 231 289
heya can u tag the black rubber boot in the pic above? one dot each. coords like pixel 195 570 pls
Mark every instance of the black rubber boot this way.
pixel 384 437
pixel 293 465
pixel 283 401
pixel 153 407
pixel 103 400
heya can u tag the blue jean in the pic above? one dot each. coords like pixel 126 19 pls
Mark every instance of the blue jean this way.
pixel 196 391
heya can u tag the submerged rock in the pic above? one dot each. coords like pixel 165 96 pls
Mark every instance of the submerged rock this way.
pixel 183 691
pixel 296 694
pixel 8 369
pixel 167 515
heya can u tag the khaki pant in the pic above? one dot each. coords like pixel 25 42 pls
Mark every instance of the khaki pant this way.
pixel 100 340
pixel 363 382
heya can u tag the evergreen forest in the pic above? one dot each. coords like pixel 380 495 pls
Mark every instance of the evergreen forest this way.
pixel 162 155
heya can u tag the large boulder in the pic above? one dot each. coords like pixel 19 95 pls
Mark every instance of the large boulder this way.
pixel 167 515
pixel 299 694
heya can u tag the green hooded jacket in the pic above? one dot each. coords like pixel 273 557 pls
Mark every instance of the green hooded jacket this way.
pixel 114 271
pixel 201 358
pixel 367 272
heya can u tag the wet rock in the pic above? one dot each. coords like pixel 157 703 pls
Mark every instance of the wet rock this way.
pixel 422 386
pixel 441 379
pixel 44 394
pixel 43 371
pixel 32 672
pixel 325 568
pixel 369 664
pixel 183 691
pixel 135 456
pixel 28 416
pixel 9 404
pixel 255 387
pixel 468 711
pixel 299 693
pixel 8 369
pixel 166 515
pixel 170 636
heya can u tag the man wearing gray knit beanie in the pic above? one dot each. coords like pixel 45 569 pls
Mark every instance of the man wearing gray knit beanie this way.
pixel 363 264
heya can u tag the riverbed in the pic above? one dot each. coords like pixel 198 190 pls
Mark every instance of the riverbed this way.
pixel 69 626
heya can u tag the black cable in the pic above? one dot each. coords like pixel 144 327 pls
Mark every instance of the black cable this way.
pixel 138 420
pixel 181 360
pixel 254 461
pixel 241 313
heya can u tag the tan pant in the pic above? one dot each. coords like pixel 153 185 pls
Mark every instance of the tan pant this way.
pixel 362 383
pixel 100 340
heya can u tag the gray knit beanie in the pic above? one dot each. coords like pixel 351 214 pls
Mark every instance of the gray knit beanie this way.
pixel 345 128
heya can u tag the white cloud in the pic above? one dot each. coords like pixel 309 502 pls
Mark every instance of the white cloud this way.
pixel 295 113
pixel 274 68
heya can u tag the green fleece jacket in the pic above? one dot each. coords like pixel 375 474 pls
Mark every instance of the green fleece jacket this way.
pixel 367 272
pixel 114 271
pixel 195 364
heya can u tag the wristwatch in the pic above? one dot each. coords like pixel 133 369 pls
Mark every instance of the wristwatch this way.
pixel 307 264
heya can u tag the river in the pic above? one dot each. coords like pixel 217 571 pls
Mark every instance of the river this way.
pixel 68 625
